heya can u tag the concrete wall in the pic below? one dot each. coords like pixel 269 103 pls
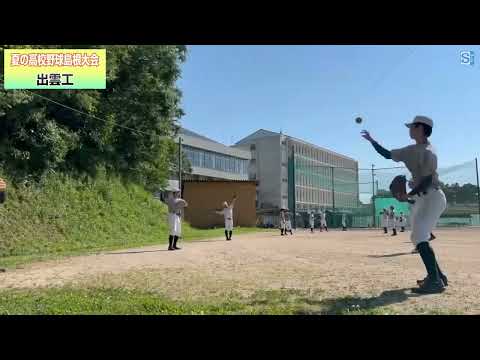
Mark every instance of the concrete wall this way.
pixel 269 171
pixel 266 168
pixel 204 197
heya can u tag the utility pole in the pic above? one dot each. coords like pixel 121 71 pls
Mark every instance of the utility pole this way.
pixel 373 195
pixel 294 181
pixel 180 164
pixel 333 189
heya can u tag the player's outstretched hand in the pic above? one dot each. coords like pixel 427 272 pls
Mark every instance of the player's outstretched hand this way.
pixel 366 135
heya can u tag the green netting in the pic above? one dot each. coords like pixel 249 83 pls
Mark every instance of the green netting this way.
pixel 354 190
pixel 385 203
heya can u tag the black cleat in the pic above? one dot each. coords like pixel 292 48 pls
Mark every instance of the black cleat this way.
pixel 430 287
pixel 432 237
pixel 444 280
pixel 170 248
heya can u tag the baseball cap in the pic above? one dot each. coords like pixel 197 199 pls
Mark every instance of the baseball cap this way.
pixel 421 120
pixel 173 186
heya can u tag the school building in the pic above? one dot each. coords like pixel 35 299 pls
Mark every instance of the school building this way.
pixel 302 177
pixel 285 172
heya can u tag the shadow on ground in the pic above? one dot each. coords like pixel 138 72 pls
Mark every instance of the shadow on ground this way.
pixel 208 241
pixel 389 255
pixel 152 251
pixel 301 302
pixel 134 252
pixel 357 305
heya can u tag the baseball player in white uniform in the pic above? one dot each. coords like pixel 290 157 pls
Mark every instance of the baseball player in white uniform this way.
pixel 312 221
pixel 344 222
pixel 323 221
pixel 392 221
pixel 175 208
pixel 227 212
pixel 384 214
pixel 283 222
pixel 288 224
pixel 401 222
pixel 429 200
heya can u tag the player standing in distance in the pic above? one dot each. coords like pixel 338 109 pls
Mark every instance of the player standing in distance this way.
pixel 384 214
pixel 288 223
pixel 323 220
pixel 401 222
pixel 283 222
pixel 227 213
pixel 344 222
pixel 391 220
pixel 312 221
pixel 429 200
pixel 175 206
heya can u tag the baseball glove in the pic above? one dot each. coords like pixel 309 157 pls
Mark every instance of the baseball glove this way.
pixel 398 188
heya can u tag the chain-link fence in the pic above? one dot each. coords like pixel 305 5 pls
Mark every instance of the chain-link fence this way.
pixel 357 197
pixel 459 183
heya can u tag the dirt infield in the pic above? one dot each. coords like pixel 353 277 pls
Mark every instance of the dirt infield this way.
pixel 359 263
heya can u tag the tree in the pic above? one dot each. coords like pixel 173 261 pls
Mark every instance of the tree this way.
pixel 465 194
pixel 140 109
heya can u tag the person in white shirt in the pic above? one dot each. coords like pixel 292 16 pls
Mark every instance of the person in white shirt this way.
pixel 391 221
pixel 344 222
pixel 175 208
pixel 384 220
pixel 283 222
pixel 288 223
pixel 323 221
pixel 312 221
pixel 227 213
pixel 401 222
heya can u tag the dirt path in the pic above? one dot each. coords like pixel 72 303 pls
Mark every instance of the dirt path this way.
pixel 354 263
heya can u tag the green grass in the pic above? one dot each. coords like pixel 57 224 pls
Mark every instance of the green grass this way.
pixel 63 217
pixel 70 301
pixel 95 301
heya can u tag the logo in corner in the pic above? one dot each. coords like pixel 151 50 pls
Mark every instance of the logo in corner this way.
pixel 467 58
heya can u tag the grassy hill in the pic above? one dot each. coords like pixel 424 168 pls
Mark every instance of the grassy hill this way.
pixel 63 216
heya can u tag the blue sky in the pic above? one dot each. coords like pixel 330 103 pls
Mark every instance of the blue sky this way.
pixel 315 93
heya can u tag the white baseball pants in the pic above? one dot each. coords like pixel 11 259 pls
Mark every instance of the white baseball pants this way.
pixel 425 214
